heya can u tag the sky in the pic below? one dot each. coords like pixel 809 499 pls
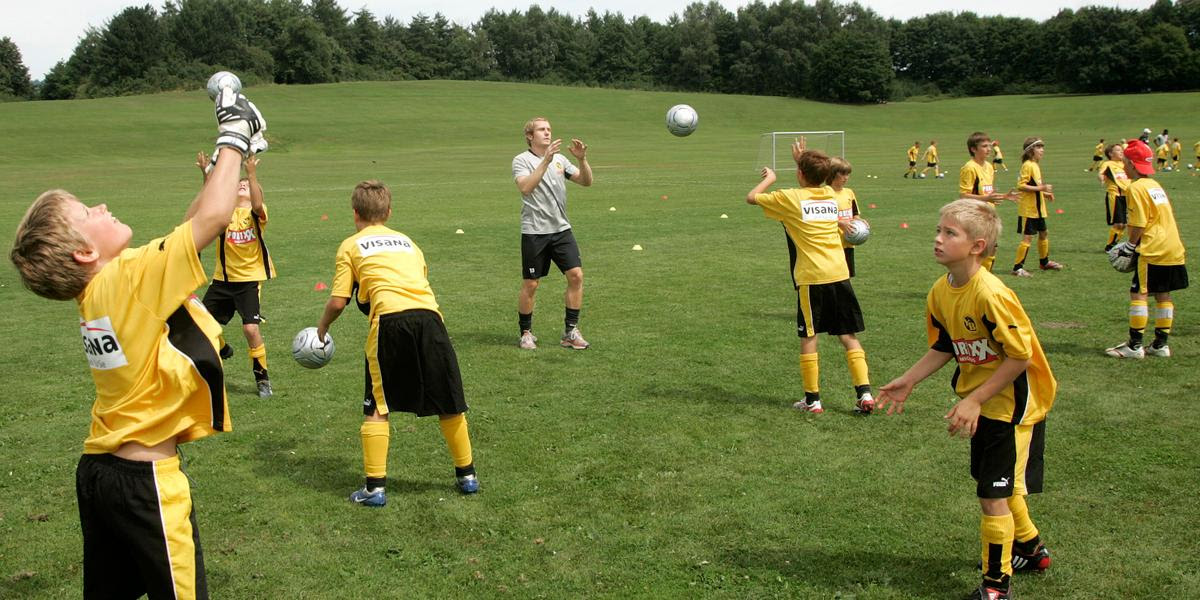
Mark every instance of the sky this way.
pixel 46 31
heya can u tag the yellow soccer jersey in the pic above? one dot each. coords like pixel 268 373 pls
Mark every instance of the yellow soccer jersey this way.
pixel 1099 150
pixel 847 208
pixel 982 324
pixel 1115 179
pixel 1176 149
pixel 1031 205
pixel 974 178
pixel 810 217
pixel 241 252
pixel 1196 149
pixel 912 154
pixel 387 268
pixel 1149 208
pixel 931 155
pixel 996 153
pixel 1162 151
pixel 152 348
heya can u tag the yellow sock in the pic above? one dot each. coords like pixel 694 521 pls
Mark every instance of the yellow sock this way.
pixel 1139 315
pixel 857 361
pixel 1164 317
pixel 1044 248
pixel 454 429
pixel 1023 527
pixel 996 533
pixel 1022 252
pixel 810 373
pixel 988 262
pixel 375 436
pixel 1114 235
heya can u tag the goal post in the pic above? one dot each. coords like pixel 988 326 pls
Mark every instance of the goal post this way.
pixel 775 147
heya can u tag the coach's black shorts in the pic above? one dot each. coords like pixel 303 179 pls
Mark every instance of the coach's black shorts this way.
pixel 224 297
pixel 827 308
pixel 537 250
pixel 1115 210
pixel 412 366
pixel 1030 225
pixel 1159 279
pixel 1007 459
pixel 139 529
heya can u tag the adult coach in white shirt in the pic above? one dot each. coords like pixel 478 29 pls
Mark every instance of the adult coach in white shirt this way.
pixel 541 173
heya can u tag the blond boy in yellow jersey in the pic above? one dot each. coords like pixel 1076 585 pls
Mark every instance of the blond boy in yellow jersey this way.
pixel 826 302
pixel 1160 155
pixel 1161 257
pixel 931 160
pixel 242 265
pixel 1115 181
pixel 152 350
pixel 1031 209
pixel 1004 384
pixel 975 180
pixel 847 201
pixel 998 156
pixel 410 364
pixel 1176 151
pixel 1097 156
pixel 913 152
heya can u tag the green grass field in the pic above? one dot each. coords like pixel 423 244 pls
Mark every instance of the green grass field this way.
pixel 666 461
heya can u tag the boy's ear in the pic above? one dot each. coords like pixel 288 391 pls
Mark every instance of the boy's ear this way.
pixel 980 247
pixel 86 256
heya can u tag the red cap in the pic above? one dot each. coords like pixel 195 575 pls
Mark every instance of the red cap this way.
pixel 1138 153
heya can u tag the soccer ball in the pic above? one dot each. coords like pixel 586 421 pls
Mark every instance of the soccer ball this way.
pixel 1168 169
pixel 941 175
pixel 1191 166
pixel 223 79
pixel 858 232
pixel 682 120
pixel 922 176
pixel 309 352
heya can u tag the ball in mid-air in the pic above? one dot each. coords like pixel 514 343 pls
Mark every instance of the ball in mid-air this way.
pixel 857 232
pixel 310 352
pixel 682 120
pixel 222 79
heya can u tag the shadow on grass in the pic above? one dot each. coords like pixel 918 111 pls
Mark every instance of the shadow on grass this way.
pixel 710 394
pixel 488 338
pixel 912 575
pixel 1075 349
pixel 338 473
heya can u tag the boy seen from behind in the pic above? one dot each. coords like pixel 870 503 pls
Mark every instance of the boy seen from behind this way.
pixel 1004 384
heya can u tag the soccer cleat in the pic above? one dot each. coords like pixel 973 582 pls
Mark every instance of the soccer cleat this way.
pixel 1021 273
pixel 373 497
pixel 812 407
pixel 1051 266
pixel 865 404
pixel 574 340
pixel 468 484
pixel 1037 562
pixel 986 592
pixel 1124 351
pixel 528 341
pixel 1152 350
pixel 264 389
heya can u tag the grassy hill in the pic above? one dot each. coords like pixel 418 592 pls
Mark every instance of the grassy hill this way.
pixel 666 460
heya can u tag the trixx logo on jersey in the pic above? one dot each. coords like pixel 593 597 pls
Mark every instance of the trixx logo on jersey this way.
pixel 374 244
pixel 100 344
pixel 819 210
pixel 241 236
pixel 975 352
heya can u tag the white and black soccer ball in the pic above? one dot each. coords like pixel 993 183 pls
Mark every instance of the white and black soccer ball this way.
pixel 941 175
pixel 682 120
pixel 921 175
pixel 857 232
pixel 310 352
pixel 222 79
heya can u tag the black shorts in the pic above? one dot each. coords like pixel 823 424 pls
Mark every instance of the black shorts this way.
pixel 849 252
pixel 139 529
pixel 537 250
pixel 412 366
pixel 1030 225
pixel 1159 279
pixel 1161 161
pixel 1115 209
pixel 1097 157
pixel 931 165
pixel 912 163
pixel 827 308
pixel 997 161
pixel 224 297
pixel 1007 459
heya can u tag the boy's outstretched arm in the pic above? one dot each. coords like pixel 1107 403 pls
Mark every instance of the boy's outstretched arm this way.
pixel 964 415
pixel 256 191
pixel 237 121
pixel 768 178
pixel 333 310
pixel 896 391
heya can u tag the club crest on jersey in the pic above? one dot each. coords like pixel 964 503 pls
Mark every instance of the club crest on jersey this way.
pixel 819 210
pixel 100 344
pixel 969 323
pixel 975 352
pixel 375 244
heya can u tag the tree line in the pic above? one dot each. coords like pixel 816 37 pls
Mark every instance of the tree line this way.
pixel 823 50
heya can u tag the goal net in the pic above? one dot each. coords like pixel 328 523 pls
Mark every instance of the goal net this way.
pixel 775 148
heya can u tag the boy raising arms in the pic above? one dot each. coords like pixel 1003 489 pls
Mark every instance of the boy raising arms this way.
pixel 411 366
pixel 243 263
pixel 1004 384
pixel 825 299
pixel 1154 238
pixel 152 349
pixel 975 180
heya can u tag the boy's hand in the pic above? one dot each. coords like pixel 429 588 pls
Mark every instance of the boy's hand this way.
pixel 203 162
pixel 237 120
pixel 963 418
pixel 768 175
pixel 798 148
pixel 893 394
pixel 251 164
pixel 578 149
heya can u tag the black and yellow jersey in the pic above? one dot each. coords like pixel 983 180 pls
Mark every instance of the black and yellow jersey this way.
pixel 241 252
pixel 847 208
pixel 1115 179
pixel 1148 207
pixel 1099 150
pixel 913 151
pixel 1032 205
pixel 152 348
pixel 810 216
pixel 976 179
pixel 931 155
pixel 983 324
pixel 385 269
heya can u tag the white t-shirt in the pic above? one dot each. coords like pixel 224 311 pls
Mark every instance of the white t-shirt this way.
pixel 544 210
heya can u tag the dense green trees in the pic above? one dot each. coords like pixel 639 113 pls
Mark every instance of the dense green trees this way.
pixel 822 50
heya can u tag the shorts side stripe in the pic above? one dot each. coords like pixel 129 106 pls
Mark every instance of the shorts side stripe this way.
pixel 175 509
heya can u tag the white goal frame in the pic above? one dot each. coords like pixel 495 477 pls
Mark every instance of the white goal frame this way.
pixel 774 138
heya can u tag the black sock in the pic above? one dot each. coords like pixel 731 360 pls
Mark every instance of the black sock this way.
pixel 810 397
pixel 464 471
pixel 260 372
pixel 1028 546
pixel 1135 338
pixel 859 390
pixel 376 482
pixel 525 321
pixel 571 321
pixel 1160 338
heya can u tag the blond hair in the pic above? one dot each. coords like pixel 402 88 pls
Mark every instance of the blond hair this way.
pixel 44 249
pixel 977 218
pixel 838 166
pixel 529 127
pixel 372 201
